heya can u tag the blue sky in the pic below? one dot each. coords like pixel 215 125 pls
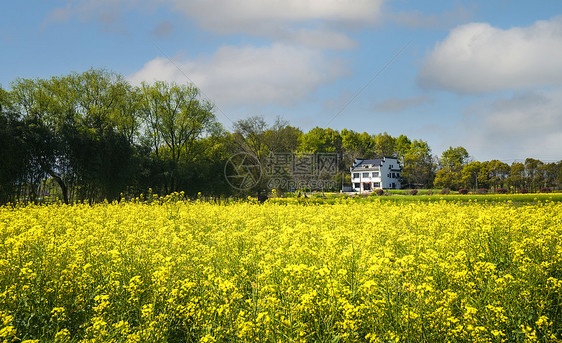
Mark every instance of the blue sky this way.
pixel 486 75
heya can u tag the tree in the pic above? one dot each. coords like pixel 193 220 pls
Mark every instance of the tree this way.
pixel 319 140
pixel 418 165
pixel 558 178
pixel 41 101
pixel 471 175
pixel 5 103
pixel 452 162
pixel 249 135
pixel 447 178
pixel 250 140
pixel 13 154
pixel 81 136
pixel 497 172
pixel 402 146
pixel 175 118
pixel 454 157
pixel 516 178
pixel 351 143
pixel 385 145
pixel 367 145
pixel 356 145
pixel 99 137
pixel 534 175
pixel 204 173
pixel 552 174
pixel 282 137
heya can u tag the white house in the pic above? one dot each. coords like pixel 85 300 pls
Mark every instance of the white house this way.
pixel 368 175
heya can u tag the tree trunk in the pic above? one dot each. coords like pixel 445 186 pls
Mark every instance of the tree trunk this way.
pixel 61 184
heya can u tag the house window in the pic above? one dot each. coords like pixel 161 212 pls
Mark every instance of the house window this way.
pixel 356 185
pixel 365 174
pixel 377 184
pixel 355 175
pixel 366 186
pixel 375 174
pixel 393 175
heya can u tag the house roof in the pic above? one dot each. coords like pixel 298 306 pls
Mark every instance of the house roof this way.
pixel 377 161
pixel 362 164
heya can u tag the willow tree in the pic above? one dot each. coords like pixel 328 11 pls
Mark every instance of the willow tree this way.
pixel 175 117
pixel 81 130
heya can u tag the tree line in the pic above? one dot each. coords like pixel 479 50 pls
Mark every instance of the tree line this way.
pixel 93 136
pixel 457 171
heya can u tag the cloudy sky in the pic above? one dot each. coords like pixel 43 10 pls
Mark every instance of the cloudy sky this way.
pixel 486 75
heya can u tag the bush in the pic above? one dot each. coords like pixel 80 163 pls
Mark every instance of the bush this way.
pixel 482 191
pixel 379 192
pixel 445 191
pixel 463 191
pixel 429 192
pixel 523 191
pixel 413 192
pixel 502 191
pixel 545 190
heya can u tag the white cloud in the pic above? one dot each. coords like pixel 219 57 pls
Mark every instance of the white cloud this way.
pixel 317 39
pixel 244 15
pixel 400 104
pixel 446 19
pixel 274 75
pixel 163 29
pixel 59 15
pixel 526 125
pixel 109 13
pixel 477 58
pixel 310 23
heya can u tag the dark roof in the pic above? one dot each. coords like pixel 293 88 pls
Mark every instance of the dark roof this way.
pixel 362 163
pixel 377 162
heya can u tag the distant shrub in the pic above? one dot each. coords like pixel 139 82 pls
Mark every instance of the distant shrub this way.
pixel 413 192
pixel 482 191
pixel 523 191
pixel 379 192
pixel 445 191
pixel 545 190
pixel 502 191
pixel 463 191
pixel 429 192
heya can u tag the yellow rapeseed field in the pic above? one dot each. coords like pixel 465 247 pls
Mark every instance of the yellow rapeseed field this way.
pixel 174 271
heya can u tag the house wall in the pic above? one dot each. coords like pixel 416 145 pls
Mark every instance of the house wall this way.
pixel 388 177
pixel 390 171
pixel 373 182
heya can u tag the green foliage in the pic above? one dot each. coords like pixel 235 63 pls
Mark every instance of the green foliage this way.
pixel 454 157
pixel 320 140
pixel 176 118
pixel 92 136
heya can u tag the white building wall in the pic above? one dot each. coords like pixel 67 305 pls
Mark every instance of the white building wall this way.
pixel 389 176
